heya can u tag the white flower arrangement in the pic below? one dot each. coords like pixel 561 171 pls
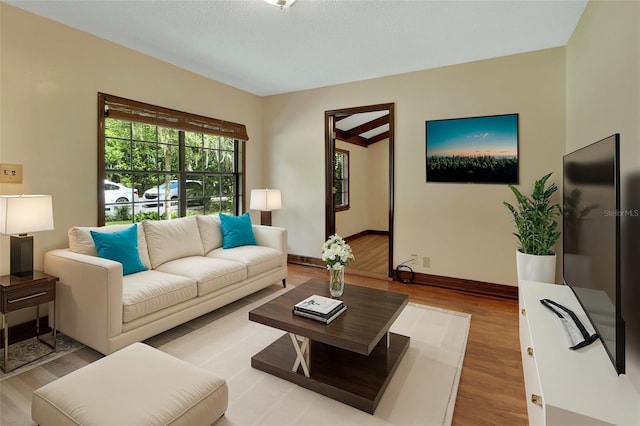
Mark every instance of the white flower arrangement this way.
pixel 336 253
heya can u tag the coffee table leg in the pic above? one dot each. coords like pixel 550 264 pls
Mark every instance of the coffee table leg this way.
pixel 301 345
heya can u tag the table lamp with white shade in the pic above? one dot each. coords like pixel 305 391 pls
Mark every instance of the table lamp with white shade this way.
pixel 20 215
pixel 265 200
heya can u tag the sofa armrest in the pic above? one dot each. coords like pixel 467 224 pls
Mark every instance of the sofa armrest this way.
pixel 88 296
pixel 271 236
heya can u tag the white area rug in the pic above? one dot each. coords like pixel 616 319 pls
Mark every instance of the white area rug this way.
pixel 422 391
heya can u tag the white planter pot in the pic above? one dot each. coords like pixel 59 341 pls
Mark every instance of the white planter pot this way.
pixel 532 267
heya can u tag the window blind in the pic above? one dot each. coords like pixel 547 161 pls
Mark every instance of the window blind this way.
pixel 126 109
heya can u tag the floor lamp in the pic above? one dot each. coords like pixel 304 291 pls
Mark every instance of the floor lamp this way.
pixel 19 215
pixel 265 200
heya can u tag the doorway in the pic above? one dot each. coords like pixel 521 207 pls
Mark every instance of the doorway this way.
pixel 366 128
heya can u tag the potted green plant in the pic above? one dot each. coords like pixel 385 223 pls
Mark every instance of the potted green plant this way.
pixel 537 231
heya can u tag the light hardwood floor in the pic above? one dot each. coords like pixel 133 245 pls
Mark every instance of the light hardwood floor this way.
pixel 371 254
pixel 491 390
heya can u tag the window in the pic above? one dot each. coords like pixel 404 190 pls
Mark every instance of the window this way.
pixel 341 180
pixel 149 154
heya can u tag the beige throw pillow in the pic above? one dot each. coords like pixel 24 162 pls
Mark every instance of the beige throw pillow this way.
pixel 172 239
pixel 210 232
pixel 80 240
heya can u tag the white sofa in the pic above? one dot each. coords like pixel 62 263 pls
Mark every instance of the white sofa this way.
pixel 188 274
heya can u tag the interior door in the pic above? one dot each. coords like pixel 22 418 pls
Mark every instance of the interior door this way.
pixel 362 132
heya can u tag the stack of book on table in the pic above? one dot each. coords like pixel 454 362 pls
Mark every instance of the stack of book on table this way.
pixel 320 308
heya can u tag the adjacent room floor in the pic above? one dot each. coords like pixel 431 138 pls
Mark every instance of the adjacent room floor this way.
pixel 371 254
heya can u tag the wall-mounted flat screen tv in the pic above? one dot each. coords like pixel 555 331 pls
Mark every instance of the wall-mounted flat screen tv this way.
pixel 473 149
pixel 591 239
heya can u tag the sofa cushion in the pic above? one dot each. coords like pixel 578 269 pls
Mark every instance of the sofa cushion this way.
pixel 121 246
pixel 210 232
pixel 210 274
pixel 80 240
pixel 172 239
pixel 257 259
pixel 236 231
pixel 150 291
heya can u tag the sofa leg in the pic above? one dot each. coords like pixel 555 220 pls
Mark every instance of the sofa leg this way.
pixel 284 283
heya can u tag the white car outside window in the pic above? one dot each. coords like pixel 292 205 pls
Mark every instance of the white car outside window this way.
pixel 115 193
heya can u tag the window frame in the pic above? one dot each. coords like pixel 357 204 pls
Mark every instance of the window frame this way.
pixel 110 106
pixel 346 177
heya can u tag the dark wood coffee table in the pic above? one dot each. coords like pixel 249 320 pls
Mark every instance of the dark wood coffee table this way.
pixel 350 360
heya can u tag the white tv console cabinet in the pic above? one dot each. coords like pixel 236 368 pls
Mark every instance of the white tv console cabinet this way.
pixel 566 387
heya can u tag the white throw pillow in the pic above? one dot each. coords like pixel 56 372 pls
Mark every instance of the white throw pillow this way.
pixel 172 239
pixel 80 240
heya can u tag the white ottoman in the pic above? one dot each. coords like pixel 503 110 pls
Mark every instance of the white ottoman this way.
pixel 137 385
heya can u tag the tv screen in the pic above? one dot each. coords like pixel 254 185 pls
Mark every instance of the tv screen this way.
pixel 591 239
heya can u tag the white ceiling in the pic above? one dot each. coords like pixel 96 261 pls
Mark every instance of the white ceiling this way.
pixel 265 50
pixel 351 122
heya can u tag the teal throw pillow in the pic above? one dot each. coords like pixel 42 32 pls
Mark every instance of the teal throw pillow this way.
pixel 121 246
pixel 236 231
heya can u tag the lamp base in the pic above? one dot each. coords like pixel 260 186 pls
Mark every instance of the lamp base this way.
pixel 265 217
pixel 21 255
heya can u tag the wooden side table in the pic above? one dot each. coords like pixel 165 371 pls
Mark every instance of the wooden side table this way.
pixel 23 292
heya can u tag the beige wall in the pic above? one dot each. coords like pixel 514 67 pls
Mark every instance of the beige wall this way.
pixel 603 98
pixel 464 229
pixel 50 78
pixel 51 74
pixel 378 178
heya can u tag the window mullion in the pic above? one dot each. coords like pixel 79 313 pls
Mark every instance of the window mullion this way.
pixel 182 174
pixel 236 203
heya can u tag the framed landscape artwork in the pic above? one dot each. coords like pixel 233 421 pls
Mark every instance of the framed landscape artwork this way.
pixel 473 149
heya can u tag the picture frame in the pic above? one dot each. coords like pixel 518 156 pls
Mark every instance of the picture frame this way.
pixel 473 149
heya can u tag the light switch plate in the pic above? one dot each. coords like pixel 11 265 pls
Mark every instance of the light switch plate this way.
pixel 10 173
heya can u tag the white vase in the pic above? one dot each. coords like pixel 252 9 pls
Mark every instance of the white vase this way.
pixel 532 267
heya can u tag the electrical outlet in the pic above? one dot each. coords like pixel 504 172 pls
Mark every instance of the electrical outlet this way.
pixel 414 259
pixel 10 173
pixel 426 262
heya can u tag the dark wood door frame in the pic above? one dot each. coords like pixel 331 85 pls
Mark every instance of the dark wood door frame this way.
pixel 330 143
